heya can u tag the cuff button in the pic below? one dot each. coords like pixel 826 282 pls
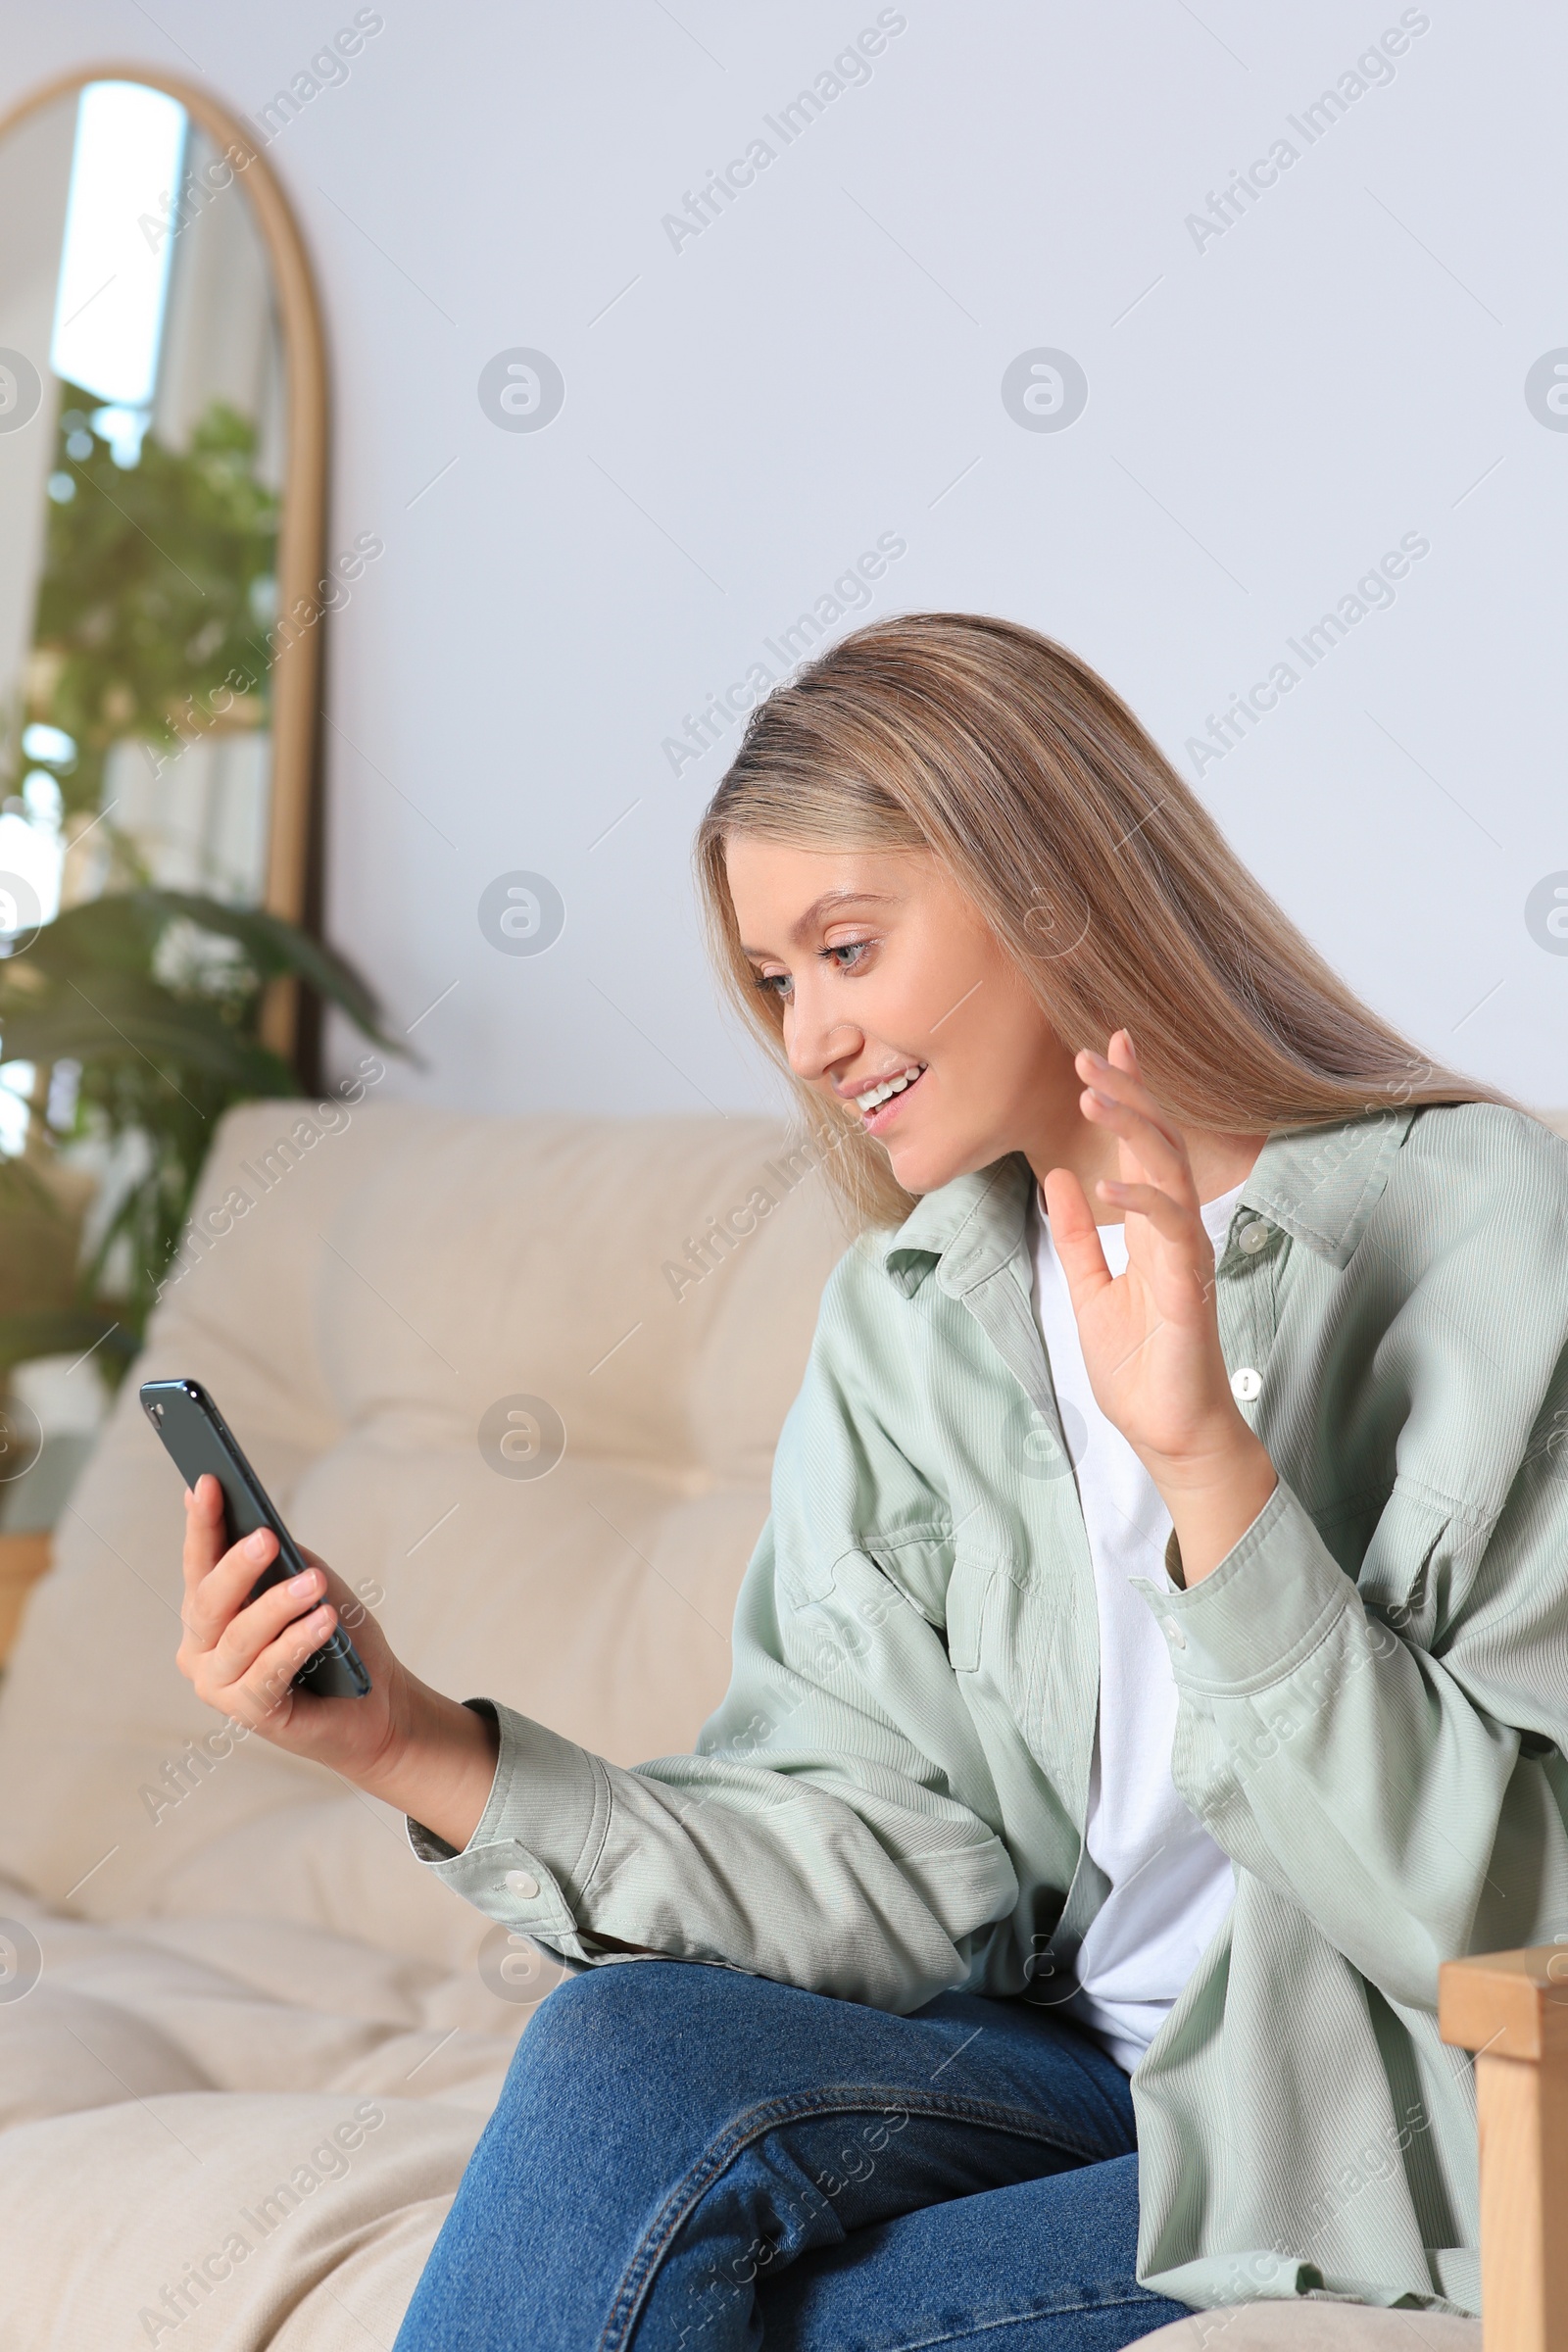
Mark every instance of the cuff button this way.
pixel 1254 1238
pixel 524 1884
pixel 1245 1385
pixel 1173 1633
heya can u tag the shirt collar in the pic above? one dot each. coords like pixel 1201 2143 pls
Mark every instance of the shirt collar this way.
pixel 1322 1184
pixel 1319 1184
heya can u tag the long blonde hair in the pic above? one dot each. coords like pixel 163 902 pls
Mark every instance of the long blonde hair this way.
pixel 1099 871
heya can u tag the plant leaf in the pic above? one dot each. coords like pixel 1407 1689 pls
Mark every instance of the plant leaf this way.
pixel 115 1016
pixel 276 947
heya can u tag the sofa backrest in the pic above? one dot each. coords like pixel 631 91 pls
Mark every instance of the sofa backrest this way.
pixel 360 1290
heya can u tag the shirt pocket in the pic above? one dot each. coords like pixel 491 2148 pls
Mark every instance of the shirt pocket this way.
pixel 925 1568
pixel 1421 1559
pixel 918 1561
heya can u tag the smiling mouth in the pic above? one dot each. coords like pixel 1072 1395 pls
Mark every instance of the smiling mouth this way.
pixel 878 1102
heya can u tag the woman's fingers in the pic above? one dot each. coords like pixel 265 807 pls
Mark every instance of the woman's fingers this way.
pixel 255 1629
pixel 1074 1238
pixel 226 1630
pixel 1123 1055
pixel 1195 1253
pixel 1155 1184
pixel 241 1655
pixel 265 1687
pixel 1116 1100
pixel 225 1588
pixel 1119 1068
pixel 250 1671
pixel 219 1581
pixel 268 1680
pixel 242 1649
pixel 205 1538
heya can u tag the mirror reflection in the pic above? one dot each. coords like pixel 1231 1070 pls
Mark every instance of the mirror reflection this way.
pixel 142 421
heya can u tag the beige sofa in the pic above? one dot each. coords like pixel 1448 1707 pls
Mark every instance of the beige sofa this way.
pixel 246 2043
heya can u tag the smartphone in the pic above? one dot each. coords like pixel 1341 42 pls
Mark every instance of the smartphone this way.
pixel 199 1440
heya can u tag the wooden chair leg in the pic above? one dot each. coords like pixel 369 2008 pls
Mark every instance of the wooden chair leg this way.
pixel 1511 2009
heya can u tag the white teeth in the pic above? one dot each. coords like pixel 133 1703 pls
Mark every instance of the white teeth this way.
pixel 891 1085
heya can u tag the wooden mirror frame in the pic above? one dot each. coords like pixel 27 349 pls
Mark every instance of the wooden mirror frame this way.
pixel 297 667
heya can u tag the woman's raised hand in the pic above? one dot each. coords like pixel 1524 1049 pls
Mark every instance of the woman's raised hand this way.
pixel 1151 1336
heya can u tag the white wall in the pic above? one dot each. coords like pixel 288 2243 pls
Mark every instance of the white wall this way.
pixel 1268 412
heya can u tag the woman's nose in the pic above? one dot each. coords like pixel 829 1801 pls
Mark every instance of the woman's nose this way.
pixel 813 1040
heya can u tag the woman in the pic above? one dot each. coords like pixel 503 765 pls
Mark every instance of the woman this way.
pixel 1151 1669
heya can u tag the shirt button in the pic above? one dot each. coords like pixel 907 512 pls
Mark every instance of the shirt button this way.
pixel 1173 1633
pixel 1254 1238
pixel 1246 1384
pixel 523 1883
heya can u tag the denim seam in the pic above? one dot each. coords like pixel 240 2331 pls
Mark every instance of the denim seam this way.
pixel 1021 2122
pixel 1012 2318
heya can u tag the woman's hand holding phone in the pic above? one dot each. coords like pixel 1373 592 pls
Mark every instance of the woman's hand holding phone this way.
pixel 404 1742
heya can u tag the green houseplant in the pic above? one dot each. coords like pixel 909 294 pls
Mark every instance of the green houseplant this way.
pixel 155 590
pixel 149 1001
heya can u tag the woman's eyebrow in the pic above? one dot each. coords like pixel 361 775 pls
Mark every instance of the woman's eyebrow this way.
pixel 801 930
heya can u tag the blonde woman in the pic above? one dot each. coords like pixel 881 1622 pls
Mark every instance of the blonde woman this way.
pixel 1152 1667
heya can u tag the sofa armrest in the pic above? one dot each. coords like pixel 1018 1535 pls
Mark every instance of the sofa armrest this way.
pixel 1511 2009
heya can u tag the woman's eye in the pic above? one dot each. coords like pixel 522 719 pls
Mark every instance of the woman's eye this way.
pixel 774 984
pixel 852 950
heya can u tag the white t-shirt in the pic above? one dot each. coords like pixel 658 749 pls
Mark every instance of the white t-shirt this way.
pixel 1170 1884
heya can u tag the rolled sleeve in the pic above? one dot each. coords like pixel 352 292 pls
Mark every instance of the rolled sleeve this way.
pixel 1272 1600
pixel 535 1843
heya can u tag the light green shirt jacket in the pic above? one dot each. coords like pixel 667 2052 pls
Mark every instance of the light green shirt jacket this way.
pixel 1373 1693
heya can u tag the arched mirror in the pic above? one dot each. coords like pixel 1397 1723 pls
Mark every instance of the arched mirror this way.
pixel 162 448
pixel 162 456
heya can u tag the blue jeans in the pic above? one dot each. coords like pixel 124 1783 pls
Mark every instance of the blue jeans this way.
pixel 688 2159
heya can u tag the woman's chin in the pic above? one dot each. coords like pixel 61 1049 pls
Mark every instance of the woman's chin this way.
pixel 923 1165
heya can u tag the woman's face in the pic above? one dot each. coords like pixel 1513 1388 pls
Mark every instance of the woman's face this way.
pixel 888 977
